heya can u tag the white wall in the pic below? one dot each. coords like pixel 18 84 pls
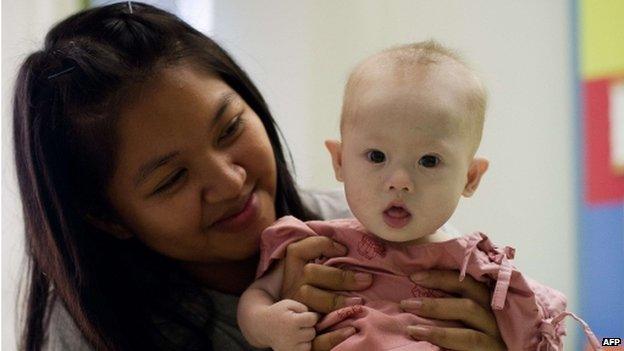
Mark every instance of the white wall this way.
pixel 300 52
pixel 24 23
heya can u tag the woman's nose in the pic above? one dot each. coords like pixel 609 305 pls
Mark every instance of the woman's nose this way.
pixel 224 182
pixel 399 180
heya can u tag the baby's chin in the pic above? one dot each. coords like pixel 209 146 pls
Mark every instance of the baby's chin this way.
pixel 406 235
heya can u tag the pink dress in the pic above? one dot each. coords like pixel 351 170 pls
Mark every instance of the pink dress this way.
pixel 529 315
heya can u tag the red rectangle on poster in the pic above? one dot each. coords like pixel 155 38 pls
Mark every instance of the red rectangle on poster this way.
pixel 601 183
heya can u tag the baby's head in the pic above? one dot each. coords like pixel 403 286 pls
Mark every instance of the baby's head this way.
pixel 411 123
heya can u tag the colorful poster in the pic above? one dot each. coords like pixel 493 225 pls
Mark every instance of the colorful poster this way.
pixel 599 34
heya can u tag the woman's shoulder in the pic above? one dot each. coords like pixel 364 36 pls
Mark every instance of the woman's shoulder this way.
pixel 328 204
pixel 62 332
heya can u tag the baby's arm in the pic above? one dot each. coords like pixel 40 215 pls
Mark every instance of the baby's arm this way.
pixel 283 325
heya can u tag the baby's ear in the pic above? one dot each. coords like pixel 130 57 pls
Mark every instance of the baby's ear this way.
pixel 477 169
pixel 335 150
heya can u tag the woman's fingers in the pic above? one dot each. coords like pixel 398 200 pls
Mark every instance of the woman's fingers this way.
pixel 460 309
pixel 327 341
pixel 298 254
pixel 473 309
pixel 303 281
pixel 449 281
pixel 460 339
pixel 313 247
pixel 332 278
pixel 323 301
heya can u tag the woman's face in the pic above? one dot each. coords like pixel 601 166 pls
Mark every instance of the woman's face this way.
pixel 195 176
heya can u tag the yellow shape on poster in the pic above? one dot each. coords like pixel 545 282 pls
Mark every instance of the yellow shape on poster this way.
pixel 602 37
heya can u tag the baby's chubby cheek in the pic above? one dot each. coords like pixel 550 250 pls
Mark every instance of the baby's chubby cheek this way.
pixel 363 202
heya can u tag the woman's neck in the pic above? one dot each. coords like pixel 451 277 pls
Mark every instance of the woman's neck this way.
pixel 226 277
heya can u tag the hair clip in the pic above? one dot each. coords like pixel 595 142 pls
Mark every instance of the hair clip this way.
pixel 130 7
pixel 57 74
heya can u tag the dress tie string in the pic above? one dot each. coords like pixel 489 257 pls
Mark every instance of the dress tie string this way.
pixel 552 330
pixel 496 255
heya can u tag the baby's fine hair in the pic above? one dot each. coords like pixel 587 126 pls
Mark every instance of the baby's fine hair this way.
pixel 424 53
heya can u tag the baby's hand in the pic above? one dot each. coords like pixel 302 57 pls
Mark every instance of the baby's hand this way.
pixel 289 326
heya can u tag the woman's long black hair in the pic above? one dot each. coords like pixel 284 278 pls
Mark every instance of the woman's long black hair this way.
pixel 121 295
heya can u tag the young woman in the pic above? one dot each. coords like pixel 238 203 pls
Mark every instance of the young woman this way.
pixel 148 166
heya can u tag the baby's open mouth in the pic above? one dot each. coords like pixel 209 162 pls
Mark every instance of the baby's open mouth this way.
pixel 396 216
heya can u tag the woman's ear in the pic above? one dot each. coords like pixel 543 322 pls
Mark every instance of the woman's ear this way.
pixel 111 227
pixel 335 150
pixel 477 169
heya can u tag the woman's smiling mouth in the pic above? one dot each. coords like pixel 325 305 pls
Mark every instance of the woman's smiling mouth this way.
pixel 239 219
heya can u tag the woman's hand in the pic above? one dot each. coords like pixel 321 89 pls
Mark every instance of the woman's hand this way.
pixel 314 285
pixel 471 307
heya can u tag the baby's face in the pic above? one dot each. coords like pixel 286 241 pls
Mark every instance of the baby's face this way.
pixel 405 156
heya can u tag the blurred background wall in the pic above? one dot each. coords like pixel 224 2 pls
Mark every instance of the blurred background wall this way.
pixel 24 24
pixel 300 52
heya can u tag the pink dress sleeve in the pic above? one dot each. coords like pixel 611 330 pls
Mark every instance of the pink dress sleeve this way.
pixel 529 315
pixel 276 238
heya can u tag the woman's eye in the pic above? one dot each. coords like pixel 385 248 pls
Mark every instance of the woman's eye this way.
pixel 231 129
pixel 376 156
pixel 170 182
pixel 429 161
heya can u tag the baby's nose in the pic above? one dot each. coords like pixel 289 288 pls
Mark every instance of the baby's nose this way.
pixel 400 180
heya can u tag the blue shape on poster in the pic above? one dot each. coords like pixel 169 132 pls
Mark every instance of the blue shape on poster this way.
pixel 601 265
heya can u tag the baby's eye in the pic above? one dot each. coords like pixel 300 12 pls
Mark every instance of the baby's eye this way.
pixel 429 161
pixel 376 156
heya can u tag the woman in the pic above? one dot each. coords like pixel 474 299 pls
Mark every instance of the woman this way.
pixel 148 166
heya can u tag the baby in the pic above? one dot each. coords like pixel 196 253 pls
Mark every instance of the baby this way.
pixel 411 123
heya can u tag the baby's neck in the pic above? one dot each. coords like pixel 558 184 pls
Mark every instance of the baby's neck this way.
pixel 436 237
